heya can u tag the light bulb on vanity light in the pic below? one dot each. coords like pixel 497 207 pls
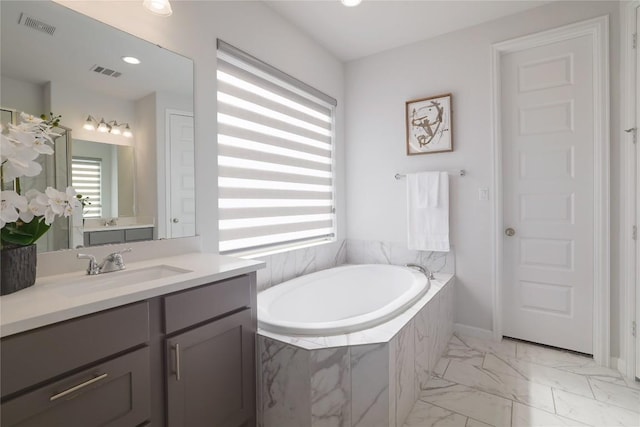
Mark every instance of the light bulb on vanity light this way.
pixel 115 130
pixel 351 3
pixel 159 7
pixel 127 132
pixel 89 124
pixel 102 126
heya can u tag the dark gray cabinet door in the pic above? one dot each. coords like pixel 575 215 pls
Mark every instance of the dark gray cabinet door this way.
pixel 211 374
pixel 113 393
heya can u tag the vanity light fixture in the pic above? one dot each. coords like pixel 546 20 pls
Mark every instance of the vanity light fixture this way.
pixel 102 126
pixel 159 7
pixel 113 127
pixel 131 60
pixel 127 131
pixel 89 124
pixel 351 3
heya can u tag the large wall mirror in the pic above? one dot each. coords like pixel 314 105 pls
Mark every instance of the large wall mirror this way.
pixel 126 134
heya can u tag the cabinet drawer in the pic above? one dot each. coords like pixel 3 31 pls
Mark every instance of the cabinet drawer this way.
pixel 138 234
pixel 197 305
pixel 105 237
pixel 54 350
pixel 114 393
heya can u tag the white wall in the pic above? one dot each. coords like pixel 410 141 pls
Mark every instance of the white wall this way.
pixel 22 96
pixel 145 159
pixel 376 90
pixel 251 26
pixel 75 105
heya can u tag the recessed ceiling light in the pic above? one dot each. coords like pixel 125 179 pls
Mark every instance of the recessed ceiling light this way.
pixel 159 7
pixel 131 60
pixel 351 3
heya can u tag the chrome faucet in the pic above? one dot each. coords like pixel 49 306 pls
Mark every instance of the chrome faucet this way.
pixel 112 262
pixel 423 269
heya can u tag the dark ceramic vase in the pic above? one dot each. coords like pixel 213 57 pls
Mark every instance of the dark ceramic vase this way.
pixel 18 268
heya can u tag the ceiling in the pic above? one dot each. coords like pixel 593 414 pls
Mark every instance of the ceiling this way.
pixel 77 44
pixel 374 26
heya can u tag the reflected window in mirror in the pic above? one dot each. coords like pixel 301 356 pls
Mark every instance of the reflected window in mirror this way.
pixel 86 178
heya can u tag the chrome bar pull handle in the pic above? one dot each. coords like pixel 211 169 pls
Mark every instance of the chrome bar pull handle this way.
pixel 177 369
pixel 77 387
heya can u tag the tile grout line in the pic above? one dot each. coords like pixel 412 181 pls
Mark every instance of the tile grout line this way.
pixel 553 399
pixel 454 412
pixel 591 388
pixel 512 408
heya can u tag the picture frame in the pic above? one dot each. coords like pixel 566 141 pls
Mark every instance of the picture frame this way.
pixel 429 125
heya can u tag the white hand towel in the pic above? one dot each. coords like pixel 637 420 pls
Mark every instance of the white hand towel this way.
pixel 428 211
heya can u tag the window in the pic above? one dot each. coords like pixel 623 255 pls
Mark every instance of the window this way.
pixel 86 178
pixel 275 157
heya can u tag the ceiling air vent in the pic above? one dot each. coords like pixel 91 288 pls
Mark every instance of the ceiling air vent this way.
pixel 36 24
pixel 106 71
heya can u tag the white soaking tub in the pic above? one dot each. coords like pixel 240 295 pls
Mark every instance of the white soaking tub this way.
pixel 340 300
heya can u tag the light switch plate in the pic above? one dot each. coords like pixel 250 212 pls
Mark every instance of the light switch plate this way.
pixel 483 194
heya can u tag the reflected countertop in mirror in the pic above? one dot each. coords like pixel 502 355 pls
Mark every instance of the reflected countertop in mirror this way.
pixel 139 181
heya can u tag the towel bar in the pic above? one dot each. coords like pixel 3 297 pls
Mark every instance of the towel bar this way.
pixel 460 172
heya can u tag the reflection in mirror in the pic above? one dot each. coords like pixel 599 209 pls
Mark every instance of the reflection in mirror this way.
pixel 142 182
pixel 103 175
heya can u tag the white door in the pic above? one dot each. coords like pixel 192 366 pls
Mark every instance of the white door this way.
pixel 182 219
pixel 637 197
pixel 548 167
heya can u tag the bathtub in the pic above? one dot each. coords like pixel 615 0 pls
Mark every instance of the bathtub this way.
pixel 340 300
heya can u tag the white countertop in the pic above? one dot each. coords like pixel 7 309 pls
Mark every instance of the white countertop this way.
pixel 61 297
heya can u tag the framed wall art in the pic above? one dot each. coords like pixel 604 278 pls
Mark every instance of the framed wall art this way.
pixel 429 127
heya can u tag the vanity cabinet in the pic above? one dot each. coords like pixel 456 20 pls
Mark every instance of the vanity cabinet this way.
pixel 84 371
pixel 211 371
pixel 128 235
pixel 185 359
pixel 210 355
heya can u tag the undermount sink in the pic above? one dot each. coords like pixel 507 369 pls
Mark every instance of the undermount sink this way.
pixel 118 279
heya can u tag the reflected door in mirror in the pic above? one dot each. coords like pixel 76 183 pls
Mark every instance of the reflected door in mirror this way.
pixel 182 176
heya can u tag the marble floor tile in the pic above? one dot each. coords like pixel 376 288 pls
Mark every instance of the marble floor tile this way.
pixel 485 407
pixel 552 357
pixel 593 412
pixel 505 347
pixel 538 374
pixel 441 367
pixel 523 385
pixel 615 394
pixel 427 415
pixel 475 423
pixel 527 416
pixel 509 387
pixel 457 350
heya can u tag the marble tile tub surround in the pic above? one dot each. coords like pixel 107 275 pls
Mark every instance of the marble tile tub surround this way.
pixel 288 265
pixel 396 253
pixel 367 385
pixel 515 384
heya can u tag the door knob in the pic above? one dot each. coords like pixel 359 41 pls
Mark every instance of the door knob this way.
pixel 175 220
pixel 510 232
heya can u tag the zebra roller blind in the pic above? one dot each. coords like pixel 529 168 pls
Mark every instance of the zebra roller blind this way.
pixel 86 178
pixel 275 157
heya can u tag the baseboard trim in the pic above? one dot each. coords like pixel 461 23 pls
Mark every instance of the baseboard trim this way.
pixel 619 364
pixel 472 331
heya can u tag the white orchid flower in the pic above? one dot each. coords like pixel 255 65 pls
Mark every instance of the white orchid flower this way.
pixel 57 200
pixel 11 204
pixel 18 160
pixel 72 201
pixel 37 205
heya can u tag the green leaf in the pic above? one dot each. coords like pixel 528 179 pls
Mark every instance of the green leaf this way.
pixel 23 234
